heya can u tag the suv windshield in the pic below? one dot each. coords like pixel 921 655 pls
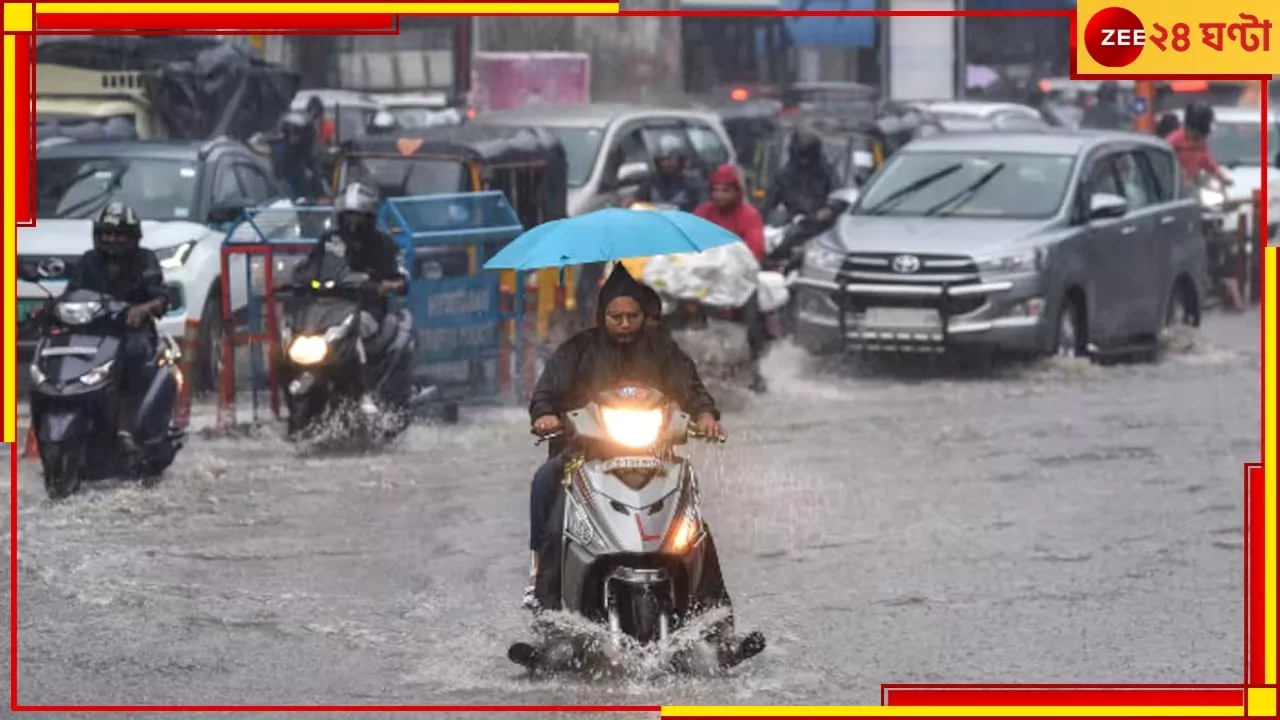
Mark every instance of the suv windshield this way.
pixel 404 177
pixel 1238 143
pixel 960 184
pixel 581 145
pixel 156 188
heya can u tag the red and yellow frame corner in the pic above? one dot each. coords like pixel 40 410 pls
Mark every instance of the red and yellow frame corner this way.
pixel 1255 694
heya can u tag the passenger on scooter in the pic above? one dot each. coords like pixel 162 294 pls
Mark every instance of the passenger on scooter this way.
pixel 295 157
pixel 618 348
pixel 366 249
pixel 119 267
pixel 672 185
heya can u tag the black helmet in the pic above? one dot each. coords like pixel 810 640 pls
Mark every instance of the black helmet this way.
pixel 1199 117
pixel 116 229
pixel 1108 91
pixel 806 146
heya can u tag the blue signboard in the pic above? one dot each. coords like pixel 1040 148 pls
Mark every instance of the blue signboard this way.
pixel 457 321
pixel 1139 106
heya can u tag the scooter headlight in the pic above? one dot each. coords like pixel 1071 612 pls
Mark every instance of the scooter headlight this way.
pixel 98 374
pixel 37 375
pixel 77 313
pixel 308 350
pixel 632 428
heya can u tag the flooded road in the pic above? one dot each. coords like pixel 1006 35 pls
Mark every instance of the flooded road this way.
pixel 1058 522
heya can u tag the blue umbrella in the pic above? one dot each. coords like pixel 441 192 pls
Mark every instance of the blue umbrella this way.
pixel 610 234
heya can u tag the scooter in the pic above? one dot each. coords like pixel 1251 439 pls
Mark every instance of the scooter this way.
pixel 74 381
pixel 636 557
pixel 328 369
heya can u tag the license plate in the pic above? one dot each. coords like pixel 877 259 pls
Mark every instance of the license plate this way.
pixel 25 306
pixel 912 318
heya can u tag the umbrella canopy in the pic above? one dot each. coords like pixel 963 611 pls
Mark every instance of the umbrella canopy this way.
pixel 610 234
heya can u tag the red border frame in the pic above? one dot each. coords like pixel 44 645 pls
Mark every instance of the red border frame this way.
pixel 891 694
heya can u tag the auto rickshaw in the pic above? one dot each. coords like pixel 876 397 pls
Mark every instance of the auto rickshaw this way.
pixel 751 125
pixel 527 164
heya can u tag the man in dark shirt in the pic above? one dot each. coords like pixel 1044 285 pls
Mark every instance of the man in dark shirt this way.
pixel 118 267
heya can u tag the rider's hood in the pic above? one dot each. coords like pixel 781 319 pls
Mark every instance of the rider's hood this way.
pixel 68 237
pixel 619 284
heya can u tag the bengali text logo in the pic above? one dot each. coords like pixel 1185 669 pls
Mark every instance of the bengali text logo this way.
pixel 1115 37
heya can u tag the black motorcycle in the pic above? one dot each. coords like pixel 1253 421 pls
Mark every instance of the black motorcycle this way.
pixel 325 377
pixel 75 381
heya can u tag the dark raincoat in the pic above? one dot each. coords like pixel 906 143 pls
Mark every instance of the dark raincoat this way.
pixel 590 362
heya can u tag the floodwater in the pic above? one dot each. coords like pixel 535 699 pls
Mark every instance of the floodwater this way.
pixel 1051 522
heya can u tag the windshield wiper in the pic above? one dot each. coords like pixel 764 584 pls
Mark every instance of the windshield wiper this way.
pixel 902 193
pixel 966 194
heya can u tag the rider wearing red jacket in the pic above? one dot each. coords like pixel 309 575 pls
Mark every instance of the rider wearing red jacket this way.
pixel 728 209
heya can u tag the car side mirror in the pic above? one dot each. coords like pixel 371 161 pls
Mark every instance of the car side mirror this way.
pixel 632 173
pixel 229 211
pixel 28 273
pixel 1107 206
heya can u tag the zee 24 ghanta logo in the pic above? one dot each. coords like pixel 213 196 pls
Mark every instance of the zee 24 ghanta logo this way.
pixel 1115 37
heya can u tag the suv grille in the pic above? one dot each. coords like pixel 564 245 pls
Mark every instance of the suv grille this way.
pixel 933 270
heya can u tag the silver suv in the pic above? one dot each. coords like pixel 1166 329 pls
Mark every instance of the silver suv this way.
pixel 1068 242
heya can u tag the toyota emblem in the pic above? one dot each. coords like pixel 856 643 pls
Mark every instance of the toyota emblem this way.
pixel 906 264
pixel 50 268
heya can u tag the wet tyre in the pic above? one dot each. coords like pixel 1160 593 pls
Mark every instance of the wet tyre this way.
pixel 1070 339
pixel 63 470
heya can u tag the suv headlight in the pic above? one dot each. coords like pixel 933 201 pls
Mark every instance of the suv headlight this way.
pixel 822 258
pixel 1020 262
pixel 77 313
pixel 176 256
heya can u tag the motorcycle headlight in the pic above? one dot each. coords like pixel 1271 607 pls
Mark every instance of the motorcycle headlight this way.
pixel 1021 262
pixel 632 428
pixel 98 374
pixel 77 313
pixel 308 350
pixel 176 256
pixel 822 258
pixel 1212 198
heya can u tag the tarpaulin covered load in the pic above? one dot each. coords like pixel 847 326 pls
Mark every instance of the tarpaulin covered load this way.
pixel 224 90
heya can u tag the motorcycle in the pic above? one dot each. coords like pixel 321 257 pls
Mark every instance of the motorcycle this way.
pixel 636 556
pixel 328 369
pixel 75 381
pixel 1234 264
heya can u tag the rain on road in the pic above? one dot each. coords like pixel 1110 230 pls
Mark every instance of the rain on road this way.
pixel 1056 522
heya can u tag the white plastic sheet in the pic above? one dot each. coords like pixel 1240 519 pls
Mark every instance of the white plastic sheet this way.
pixel 724 277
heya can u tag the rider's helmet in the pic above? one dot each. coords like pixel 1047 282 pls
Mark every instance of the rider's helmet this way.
pixel 1199 117
pixel 293 125
pixel 116 229
pixel 356 210
pixel 1108 92
pixel 806 147
pixel 670 153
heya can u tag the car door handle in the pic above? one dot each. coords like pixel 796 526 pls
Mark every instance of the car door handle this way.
pixel 1129 230
pixel 1168 220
